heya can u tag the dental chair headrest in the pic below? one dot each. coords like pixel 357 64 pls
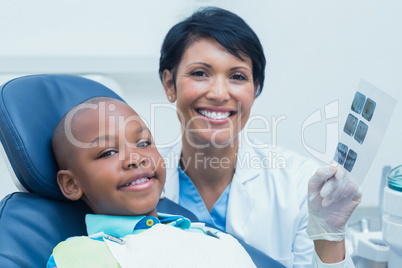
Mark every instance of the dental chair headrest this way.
pixel 30 109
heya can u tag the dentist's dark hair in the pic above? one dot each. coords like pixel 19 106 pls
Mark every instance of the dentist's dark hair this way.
pixel 231 31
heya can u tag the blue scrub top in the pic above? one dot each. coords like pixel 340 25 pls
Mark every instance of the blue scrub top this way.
pixel 190 198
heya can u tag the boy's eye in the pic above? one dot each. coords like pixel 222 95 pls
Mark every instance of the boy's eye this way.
pixel 144 143
pixel 107 154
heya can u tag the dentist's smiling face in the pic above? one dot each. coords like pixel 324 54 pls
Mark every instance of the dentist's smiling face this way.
pixel 215 92
pixel 122 172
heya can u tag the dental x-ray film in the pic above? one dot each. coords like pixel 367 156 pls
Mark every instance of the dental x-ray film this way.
pixel 365 126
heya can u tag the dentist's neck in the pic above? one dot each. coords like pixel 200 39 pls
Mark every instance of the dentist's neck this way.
pixel 210 167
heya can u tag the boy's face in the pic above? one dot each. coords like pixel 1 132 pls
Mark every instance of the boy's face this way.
pixel 122 172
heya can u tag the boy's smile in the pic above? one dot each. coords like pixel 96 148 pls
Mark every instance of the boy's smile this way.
pixel 118 170
pixel 141 181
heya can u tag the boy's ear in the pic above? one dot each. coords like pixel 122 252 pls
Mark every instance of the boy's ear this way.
pixel 169 85
pixel 68 185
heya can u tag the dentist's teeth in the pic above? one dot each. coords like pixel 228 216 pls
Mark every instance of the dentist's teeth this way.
pixel 214 115
pixel 139 181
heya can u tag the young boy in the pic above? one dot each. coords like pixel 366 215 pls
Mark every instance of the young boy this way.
pixel 107 157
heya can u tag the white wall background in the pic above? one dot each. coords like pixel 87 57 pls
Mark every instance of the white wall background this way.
pixel 317 51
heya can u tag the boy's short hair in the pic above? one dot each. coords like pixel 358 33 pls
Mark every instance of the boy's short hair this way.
pixel 231 31
pixel 63 150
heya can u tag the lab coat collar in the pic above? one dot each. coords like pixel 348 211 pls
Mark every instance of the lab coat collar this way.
pixel 245 169
pixel 240 197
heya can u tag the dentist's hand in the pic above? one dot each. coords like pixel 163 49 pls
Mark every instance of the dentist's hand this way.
pixel 332 197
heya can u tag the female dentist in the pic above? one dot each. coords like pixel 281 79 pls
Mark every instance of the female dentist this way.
pixel 212 65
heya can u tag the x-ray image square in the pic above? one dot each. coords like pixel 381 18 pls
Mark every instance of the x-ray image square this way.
pixel 350 160
pixel 358 102
pixel 361 132
pixel 340 154
pixel 350 125
pixel 368 109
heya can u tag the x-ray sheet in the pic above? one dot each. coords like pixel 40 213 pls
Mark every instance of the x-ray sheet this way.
pixel 367 120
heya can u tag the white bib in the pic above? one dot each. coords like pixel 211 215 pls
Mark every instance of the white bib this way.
pixel 168 246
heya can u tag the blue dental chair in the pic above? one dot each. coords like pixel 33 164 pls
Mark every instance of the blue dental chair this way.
pixel 33 223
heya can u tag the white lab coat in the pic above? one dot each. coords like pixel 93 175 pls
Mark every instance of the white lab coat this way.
pixel 267 207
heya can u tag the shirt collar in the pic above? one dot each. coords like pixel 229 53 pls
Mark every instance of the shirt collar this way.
pixel 120 226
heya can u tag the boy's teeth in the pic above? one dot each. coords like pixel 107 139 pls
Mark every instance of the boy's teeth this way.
pixel 214 115
pixel 139 181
